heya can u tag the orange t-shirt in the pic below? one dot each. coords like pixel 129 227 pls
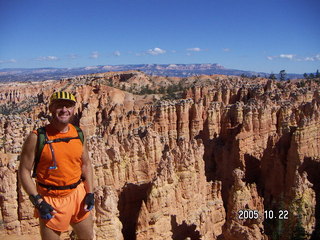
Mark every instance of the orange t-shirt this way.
pixel 68 161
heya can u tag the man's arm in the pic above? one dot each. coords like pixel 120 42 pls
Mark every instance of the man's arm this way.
pixel 26 164
pixel 87 171
pixel 87 174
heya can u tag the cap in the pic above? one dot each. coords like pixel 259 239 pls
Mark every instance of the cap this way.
pixel 62 96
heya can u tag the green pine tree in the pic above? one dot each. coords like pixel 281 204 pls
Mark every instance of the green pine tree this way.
pixel 272 76
pixel 299 233
pixel 283 75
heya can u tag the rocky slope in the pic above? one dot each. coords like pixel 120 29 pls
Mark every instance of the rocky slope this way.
pixel 179 158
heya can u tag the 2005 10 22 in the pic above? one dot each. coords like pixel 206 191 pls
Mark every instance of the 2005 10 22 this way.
pixel 267 214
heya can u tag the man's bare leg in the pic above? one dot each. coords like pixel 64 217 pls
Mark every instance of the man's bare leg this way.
pixel 48 233
pixel 84 229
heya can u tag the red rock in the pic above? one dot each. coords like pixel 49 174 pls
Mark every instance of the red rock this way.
pixel 182 167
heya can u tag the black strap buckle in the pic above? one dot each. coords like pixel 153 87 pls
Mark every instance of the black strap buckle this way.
pixel 61 140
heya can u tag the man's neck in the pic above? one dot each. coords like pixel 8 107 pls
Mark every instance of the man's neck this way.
pixel 60 127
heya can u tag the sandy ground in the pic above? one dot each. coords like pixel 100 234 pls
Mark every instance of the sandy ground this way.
pixel 64 236
pixel 17 237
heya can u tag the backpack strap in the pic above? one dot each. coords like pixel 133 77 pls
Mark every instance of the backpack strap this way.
pixel 42 140
pixel 80 133
pixel 40 145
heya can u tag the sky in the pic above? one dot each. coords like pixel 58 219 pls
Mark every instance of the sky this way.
pixel 255 35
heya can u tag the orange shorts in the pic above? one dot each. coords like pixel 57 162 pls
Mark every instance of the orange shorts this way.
pixel 69 208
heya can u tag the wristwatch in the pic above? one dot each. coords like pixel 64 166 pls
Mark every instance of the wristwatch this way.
pixel 34 199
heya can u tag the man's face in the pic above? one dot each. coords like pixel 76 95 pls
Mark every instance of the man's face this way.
pixel 62 110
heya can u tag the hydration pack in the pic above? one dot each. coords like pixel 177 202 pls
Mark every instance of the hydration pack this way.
pixel 43 140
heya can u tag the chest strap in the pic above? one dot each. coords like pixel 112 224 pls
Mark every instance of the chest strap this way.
pixel 60 140
pixel 52 187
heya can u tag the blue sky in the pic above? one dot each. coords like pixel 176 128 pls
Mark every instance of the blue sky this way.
pixel 257 35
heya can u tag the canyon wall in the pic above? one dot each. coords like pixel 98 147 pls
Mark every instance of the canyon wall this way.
pixel 182 167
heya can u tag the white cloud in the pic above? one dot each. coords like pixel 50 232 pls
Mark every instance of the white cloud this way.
pixel 294 57
pixel 47 58
pixel 94 55
pixel 156 51
pixel 116 53
pixel 8 61
pixel 196 49
pixel 287 56
pixel 226 49
pixel 313 58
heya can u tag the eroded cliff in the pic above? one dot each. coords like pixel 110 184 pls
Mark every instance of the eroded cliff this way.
pixel 184 166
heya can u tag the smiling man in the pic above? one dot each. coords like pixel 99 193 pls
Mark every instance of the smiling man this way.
pixel 57 153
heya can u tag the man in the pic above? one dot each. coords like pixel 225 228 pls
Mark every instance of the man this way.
pixel 63 193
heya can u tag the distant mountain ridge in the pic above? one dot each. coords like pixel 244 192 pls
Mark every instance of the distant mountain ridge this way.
pixel 174 70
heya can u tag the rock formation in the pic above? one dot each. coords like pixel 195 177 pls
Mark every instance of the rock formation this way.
pixel 179 158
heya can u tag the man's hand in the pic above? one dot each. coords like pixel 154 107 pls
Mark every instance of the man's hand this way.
pixel 46 211
pixel 89 202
